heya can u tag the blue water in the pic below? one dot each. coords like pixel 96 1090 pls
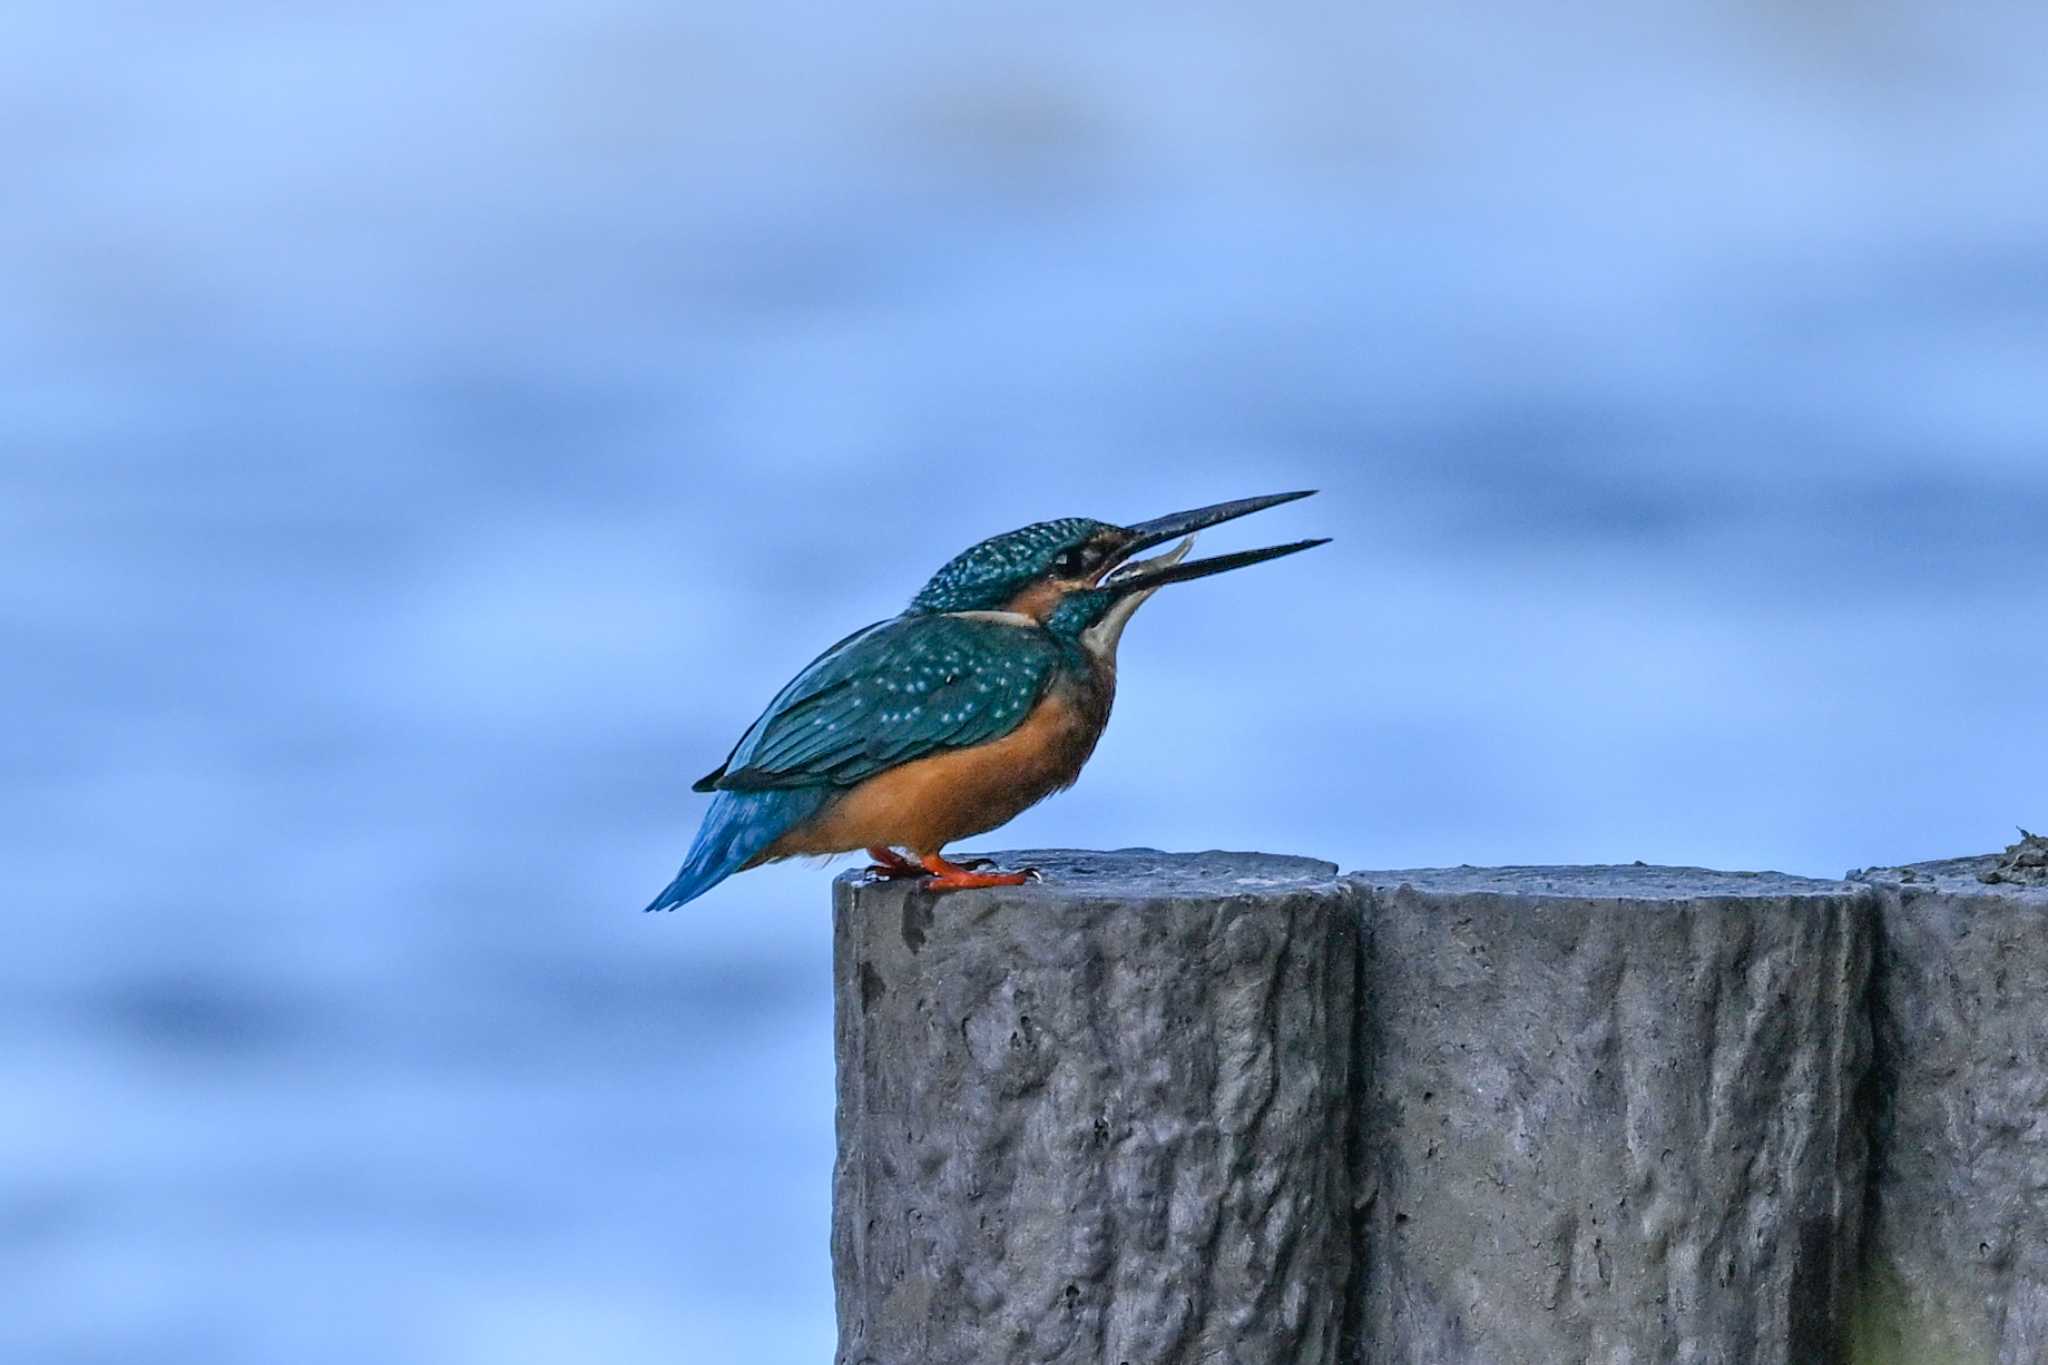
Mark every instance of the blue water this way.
pixel 428 436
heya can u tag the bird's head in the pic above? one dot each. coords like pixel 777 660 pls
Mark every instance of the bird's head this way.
pixel 1077 577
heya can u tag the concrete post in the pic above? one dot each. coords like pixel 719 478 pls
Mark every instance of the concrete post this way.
pixel 1958 1242
pixel 1230 1109
pixel 1101 1119
pixel 1610 1116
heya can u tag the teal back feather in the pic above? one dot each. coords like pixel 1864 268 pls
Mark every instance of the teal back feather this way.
pixel 892 693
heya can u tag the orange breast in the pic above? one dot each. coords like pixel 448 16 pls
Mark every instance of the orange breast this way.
pixel 927 803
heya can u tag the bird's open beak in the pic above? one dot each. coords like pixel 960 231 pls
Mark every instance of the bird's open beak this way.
pixel 1144 575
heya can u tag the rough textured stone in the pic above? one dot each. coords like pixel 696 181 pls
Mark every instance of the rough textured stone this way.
pixel 1610 1115
pixel 1958 1237
pixel 1101 1119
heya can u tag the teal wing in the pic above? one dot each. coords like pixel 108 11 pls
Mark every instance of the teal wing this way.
pixel 892 693
pixel 816 675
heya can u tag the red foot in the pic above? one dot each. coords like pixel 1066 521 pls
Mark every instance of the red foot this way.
pixel 953 877
pixel 890 864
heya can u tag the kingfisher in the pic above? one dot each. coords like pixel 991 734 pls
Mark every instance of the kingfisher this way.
pixel 984 697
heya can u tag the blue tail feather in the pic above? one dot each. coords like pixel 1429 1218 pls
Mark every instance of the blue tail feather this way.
pixel 737 827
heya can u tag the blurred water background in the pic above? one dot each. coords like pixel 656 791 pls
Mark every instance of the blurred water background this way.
pixel 429 433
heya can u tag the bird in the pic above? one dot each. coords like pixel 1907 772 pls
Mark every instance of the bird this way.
pixel 983 697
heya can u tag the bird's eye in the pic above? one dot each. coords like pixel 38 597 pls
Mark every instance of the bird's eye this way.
pixel 1068 564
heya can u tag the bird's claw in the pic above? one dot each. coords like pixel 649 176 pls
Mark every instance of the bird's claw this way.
pixel 963 880
pixel 883 872
pixel 971 863
pixel 888 865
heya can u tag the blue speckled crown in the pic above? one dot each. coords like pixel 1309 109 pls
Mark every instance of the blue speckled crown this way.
pixel 987 576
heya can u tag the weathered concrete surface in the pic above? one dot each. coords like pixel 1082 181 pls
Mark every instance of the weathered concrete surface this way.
pixel 1610 1115
pixel 1101 1120
pixel 1958 1236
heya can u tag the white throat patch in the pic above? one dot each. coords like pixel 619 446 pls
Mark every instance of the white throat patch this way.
pixel 1100 639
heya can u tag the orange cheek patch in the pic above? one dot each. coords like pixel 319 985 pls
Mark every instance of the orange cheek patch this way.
pixel 1038 600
